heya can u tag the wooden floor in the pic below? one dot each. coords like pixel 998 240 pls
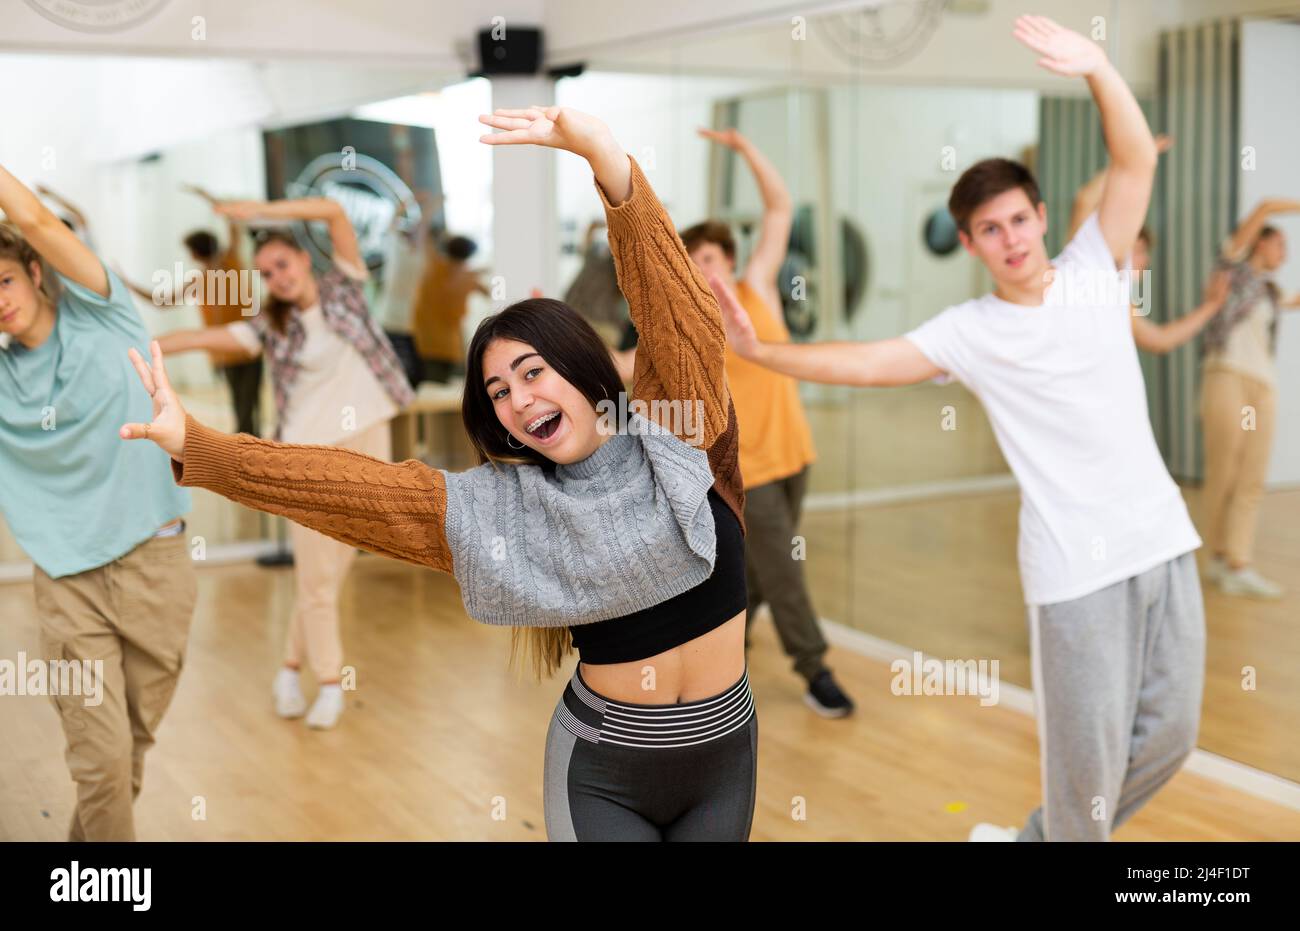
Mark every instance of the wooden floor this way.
pixel 940 576
pixel 439 736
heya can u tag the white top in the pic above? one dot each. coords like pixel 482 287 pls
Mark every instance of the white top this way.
pixel 1246 350
pixel 403 265
pixel 335 395
pixel 1064 392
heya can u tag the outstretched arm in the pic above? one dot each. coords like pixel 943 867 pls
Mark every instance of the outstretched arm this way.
pixel 878 364
pixel 1166 337
pixel 681 352
pixel 1129 143
pixel 50 237
pixel 395 509
pixel 217 339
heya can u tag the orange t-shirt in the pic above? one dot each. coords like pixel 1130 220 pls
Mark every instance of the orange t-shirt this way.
pixel 219 313
pixel 440 306
pixel 775 439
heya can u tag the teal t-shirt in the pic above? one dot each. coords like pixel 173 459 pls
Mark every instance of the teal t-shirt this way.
pixel 75 494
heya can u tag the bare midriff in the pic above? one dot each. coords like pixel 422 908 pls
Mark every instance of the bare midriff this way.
pixel 699 668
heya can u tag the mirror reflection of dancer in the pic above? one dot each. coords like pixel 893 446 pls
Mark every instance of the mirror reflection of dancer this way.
pixel 624 545
pixel 220 302
pixel 441 302
pixel 1238 373
pixel 338 382
pixel 776 446
pixel 1117 625
pixel 113 579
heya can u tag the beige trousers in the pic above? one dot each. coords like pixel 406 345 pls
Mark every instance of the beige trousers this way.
pixel 133 617
pixel 320 566
pixel 1238 414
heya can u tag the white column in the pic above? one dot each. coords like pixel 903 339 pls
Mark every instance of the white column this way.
pixel 524 235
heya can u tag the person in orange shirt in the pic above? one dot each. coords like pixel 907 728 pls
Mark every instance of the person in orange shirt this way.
pixel 441 305
pixel 218 307
pixel 776 445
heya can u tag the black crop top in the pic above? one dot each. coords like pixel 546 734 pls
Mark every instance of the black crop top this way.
pixel 682 618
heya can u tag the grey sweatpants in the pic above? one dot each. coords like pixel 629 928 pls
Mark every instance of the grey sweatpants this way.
pixel 1117 687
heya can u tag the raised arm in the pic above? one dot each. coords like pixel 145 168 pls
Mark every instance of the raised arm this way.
pixel 1244 236
pixel 682 347
pixel 234 228
pixel 1129 142
pixel 879 364
pixel 395 509
pixel 66 204
pixel 50 237
pixel 1088 198
pixel 343 238
pixel 778 215
pixel 1161 338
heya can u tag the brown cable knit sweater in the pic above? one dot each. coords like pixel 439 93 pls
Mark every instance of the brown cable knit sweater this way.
pixel 399 509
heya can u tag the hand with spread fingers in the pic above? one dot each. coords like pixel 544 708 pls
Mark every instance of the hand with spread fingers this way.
pixel 167 428
pixel 741 336
pixel 568 129
pixel 1064 51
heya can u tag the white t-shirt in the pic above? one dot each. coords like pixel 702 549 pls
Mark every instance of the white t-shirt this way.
pixel 1064 392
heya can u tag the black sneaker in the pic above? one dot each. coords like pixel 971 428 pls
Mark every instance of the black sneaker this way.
pixel 825 696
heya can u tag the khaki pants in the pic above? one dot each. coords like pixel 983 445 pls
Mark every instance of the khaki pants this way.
pixel 320 565
pixel 133 614
pixel 1236 459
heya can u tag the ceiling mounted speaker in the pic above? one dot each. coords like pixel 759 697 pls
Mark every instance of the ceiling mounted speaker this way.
pixel 505 49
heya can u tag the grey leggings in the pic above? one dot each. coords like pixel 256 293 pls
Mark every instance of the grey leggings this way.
pixel 624 772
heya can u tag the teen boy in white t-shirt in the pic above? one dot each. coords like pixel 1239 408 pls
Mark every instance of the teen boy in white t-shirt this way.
pixel 1106 546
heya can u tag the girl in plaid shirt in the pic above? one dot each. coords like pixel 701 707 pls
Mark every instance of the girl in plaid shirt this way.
pixel 337 382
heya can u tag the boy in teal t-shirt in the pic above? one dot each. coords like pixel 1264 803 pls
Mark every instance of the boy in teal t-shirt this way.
pixel 100 518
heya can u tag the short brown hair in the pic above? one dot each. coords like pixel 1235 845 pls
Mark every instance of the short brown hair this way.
pixel 712 231
pixel 985 180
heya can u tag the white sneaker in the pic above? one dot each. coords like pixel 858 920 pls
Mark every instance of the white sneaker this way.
pixel 991 832
pixel 289 700
pixel 327 707
pixel 1215 569
pixel 1246 581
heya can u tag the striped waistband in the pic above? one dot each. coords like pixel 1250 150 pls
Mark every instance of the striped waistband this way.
pixel 597 719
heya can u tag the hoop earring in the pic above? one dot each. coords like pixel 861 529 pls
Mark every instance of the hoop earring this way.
pixel 512 445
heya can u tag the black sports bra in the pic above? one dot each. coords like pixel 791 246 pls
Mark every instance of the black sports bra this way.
pixel 682 618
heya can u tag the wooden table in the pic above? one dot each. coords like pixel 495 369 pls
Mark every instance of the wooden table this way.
pixel 437 407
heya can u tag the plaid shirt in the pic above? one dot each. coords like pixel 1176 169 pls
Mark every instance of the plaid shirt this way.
pixel 346 312
pixel 1246 287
